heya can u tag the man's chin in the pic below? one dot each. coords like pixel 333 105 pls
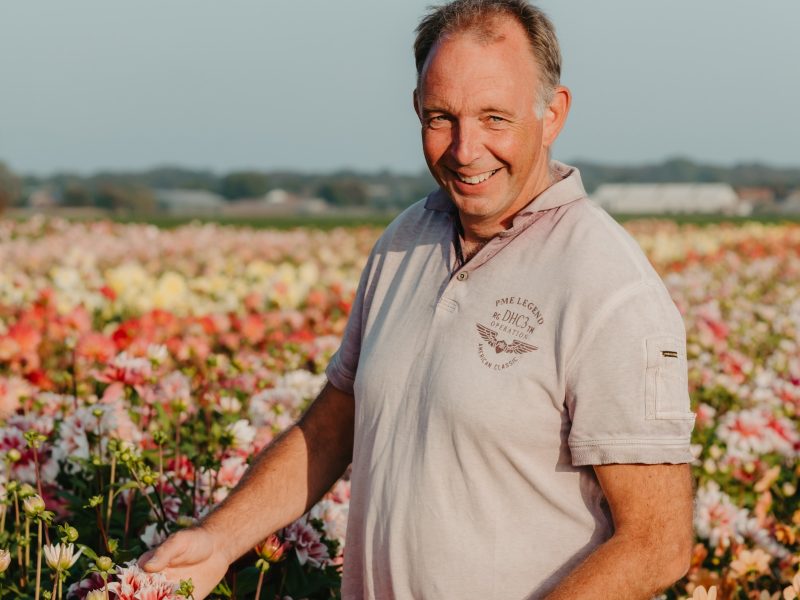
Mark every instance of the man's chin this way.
pixel 472 207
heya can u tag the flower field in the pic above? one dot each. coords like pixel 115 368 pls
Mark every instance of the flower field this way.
pixel 141 369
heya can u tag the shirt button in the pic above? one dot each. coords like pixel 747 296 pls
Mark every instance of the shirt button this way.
pixel 462 276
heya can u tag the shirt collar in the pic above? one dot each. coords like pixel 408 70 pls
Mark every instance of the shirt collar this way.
pixel 566 188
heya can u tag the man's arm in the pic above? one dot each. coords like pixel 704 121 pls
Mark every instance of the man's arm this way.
pixel 651 546
pixel 282 483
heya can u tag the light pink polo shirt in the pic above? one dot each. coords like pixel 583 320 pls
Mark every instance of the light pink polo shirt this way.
pixel 485 393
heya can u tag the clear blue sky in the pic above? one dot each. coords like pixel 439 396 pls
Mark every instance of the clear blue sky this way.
pixel 320 85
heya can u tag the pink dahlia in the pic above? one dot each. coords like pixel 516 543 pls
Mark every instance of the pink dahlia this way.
pixel 307 542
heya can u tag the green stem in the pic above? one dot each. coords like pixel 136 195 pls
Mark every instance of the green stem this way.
pixel 102 529
pixel 28 545
pixel 258 587
pixel 142 488
pixel 22 577
pixel 39 561
pixel 131 495
pixel 55 587
pixel 111 491
pixel 39 482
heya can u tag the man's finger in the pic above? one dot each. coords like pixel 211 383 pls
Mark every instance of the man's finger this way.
pixel 145 558
pixel 167 553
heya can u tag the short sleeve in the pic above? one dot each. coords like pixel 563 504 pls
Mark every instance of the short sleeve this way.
pixel 627 385
pixel 341 370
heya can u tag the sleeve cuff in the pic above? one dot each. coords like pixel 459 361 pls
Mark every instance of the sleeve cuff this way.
pixel 649 452
pixel 337 377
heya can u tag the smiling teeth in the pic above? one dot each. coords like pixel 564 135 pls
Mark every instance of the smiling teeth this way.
pixel 477 178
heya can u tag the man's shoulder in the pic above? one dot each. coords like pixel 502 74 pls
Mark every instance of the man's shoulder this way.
pixel 598 249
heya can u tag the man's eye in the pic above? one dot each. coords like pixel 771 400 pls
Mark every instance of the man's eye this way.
pixel 438 121
pixel 496 119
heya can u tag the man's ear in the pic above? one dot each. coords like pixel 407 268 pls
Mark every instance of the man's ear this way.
pixel 555 115
pixel 417 107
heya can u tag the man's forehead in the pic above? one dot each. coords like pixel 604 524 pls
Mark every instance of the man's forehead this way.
pixel 462 56
pixel 464 74
pixel 497 30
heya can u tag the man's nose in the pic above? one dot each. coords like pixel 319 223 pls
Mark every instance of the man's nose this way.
pixel 466 145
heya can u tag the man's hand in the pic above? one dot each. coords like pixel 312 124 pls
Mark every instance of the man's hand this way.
pixel 192 553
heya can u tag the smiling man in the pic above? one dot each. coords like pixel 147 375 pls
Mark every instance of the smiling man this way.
pixel 511 388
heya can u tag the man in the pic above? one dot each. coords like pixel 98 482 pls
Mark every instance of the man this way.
pixel 511 387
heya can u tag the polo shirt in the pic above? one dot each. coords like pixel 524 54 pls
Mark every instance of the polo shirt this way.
pixel 485 392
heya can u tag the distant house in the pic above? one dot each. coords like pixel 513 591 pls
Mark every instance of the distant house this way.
pixel 790 204
pixel 190 203
pixel 276 202
pixel 670 198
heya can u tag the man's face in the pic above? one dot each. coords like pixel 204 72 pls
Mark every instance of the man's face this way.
pixel 482 139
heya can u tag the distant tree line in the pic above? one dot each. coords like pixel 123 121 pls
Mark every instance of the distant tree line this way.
pixel 135 191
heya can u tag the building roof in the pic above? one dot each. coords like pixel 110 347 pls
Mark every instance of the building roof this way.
pixel 189 198
pixel 667 197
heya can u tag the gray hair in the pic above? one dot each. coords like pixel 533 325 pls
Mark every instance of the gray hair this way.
pixel 479 17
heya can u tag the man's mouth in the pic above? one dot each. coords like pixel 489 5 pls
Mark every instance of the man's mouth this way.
pixel 475 179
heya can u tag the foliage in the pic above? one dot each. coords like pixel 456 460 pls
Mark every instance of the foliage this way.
pixel 345 192
pixel 244 184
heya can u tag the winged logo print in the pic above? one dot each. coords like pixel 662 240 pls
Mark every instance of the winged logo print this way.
pixel 490 337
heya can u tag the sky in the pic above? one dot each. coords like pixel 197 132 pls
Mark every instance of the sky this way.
pixel 317 85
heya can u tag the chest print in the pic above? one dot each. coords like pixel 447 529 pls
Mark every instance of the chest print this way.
pixel 506 333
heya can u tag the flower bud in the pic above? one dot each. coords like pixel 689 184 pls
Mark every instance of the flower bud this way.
pixel 25 490
pixel 33 506
pixel 271 549
pixel 104 563
pixel 5 560
pixel 13 455
pixel 71 534
pixel 186 588
pixel 185 521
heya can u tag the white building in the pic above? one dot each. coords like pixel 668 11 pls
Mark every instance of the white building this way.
pixel 791 205
pixel 192 203
pixel 670 198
